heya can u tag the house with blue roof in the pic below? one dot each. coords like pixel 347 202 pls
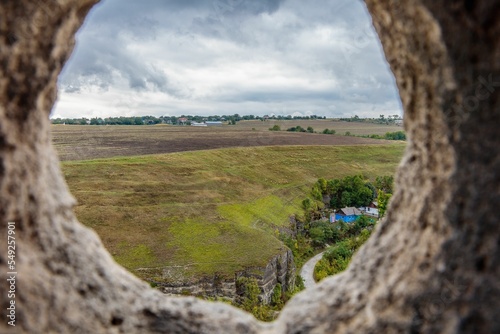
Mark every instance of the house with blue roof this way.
pixel 348 215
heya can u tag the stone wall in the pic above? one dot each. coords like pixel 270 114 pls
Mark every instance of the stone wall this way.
pixel 433 265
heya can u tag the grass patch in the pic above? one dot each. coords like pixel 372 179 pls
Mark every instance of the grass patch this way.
pixel 264 213
pixel 207 247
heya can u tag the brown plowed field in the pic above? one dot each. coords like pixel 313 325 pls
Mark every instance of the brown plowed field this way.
pixel 74 142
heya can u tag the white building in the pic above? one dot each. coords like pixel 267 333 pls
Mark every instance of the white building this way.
pixel 371 209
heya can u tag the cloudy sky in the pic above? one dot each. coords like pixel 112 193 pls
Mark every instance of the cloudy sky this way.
pixel 214 57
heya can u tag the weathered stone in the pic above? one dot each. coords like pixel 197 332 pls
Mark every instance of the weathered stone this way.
pixel 280 269
pixel 431 266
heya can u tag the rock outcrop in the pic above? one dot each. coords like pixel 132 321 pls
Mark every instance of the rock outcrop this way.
pixel 214 286
pixel 433 265
pixel 280 269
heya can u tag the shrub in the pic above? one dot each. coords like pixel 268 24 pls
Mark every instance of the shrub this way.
pixel 318 236
pixel 248 291
pixel 398 135
pixel 337 258
pixel 277 296
pixel 297 128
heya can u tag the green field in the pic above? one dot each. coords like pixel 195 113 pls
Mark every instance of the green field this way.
pixel 191 214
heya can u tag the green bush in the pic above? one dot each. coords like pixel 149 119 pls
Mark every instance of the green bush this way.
pixel 277 296
pixel 337 258
pixel 398 135
pixel 318 236
pixel 299 283
pixel 297 128
pixel 248 297
pixel 248 290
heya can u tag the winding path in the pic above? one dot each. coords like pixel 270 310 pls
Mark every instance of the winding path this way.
pixel 308 269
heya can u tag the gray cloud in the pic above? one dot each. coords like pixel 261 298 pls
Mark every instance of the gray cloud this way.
pixel 221 55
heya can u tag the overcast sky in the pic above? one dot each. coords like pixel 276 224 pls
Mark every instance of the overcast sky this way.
pixel 214 57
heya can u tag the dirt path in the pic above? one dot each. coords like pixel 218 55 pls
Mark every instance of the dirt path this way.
pixel 308 269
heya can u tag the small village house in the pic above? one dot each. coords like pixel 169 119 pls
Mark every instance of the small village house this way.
pixel 348 215
pixel 371 209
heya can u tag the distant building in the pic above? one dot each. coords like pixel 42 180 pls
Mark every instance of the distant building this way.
pixel 371 209
pixel 182 120
pixel 399 122
pixel 198 124
pixel 348 215
pixel 213 123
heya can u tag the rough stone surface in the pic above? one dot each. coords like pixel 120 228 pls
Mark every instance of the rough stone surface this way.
pixel 432 265
pixel 280 269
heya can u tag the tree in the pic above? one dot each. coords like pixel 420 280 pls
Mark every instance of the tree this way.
pixel 346 199
pixel 363 196
pixel 385 183
pixel 307 204
pixel 322 184
pixel 383 200
pixel 316 192
pixel 310 129
pixel 275 128
pixel 317 235
pixel 333 186
pixel 96 121
pixel 349 191
pixel 322 232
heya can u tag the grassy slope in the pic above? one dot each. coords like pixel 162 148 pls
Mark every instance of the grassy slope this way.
pixel 207 212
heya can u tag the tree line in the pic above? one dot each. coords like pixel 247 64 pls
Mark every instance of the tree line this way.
pixel 398 135
pixel 382 119
pixel 174 120
pixel 151 120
